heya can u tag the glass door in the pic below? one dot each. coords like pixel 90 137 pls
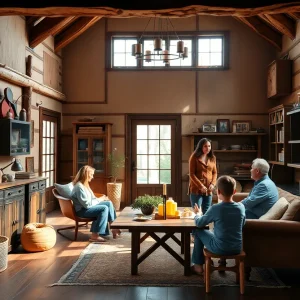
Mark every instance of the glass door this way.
pixel 98 155
pixel 82 152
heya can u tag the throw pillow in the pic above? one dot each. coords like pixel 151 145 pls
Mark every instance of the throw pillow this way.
pixel 293 211
pixel 65 190
pixel 277 210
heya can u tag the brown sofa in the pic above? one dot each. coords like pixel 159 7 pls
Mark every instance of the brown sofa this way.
pixel 274 243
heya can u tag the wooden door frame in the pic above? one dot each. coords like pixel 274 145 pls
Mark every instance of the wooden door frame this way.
pixel 178 157
pixel 55 114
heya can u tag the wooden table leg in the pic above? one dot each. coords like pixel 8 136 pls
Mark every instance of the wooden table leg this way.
pixel 187 253
pixel 135 248
pixel 182 242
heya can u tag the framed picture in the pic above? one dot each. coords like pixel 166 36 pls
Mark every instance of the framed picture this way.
pixel 30 164
pixel 223 125
pixel 209 128
pixel 15 137
pixel 241 126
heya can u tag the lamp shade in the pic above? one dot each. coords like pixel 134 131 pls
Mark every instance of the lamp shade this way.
pixel 16 166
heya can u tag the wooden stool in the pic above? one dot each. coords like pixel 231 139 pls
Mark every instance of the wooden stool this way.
pixel 238 268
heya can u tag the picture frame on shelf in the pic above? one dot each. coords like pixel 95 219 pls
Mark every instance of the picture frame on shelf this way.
pixel 209 128
pixel 15 137
pixel 30 164
pixel 241 126
pixel 223 125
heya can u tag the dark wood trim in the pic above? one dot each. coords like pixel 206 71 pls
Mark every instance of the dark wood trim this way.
pixel 105 70
pixel 128 141
pixel 34 53
pixel 196 92
pixel 118 136
pixel 197 23
pixel 83 102
pixel 93 114
pixel 37 70
pixel 168 69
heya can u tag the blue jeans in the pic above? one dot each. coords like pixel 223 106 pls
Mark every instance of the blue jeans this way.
pixel 104 211
pixel 202 201
pixel 204 237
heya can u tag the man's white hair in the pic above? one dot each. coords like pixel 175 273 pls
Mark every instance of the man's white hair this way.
pixel 262 165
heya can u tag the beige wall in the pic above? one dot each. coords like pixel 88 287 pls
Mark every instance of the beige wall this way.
pixel 239 92
pixel 13 53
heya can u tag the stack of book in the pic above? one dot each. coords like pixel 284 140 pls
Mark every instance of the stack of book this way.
pixel 242 170
pixel 24 175
pixel 90 130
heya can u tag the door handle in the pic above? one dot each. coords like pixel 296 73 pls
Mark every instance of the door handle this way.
pixel 133 166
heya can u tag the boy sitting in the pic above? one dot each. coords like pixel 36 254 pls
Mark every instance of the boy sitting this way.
pixel 228 217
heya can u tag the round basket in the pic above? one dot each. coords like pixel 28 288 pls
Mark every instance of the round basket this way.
pixel 3 252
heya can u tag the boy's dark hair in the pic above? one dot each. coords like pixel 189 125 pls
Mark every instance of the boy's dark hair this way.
pixel 226 185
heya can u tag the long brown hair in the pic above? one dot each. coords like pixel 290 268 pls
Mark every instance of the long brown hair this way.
pixel 82 176
pixel 198 150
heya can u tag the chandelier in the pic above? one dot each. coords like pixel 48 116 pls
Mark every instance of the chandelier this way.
pixel 161 32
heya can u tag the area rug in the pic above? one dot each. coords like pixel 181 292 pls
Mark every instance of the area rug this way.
pixel 109 264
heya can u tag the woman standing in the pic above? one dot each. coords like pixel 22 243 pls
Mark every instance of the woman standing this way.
pixel 88 205
pixel 203 175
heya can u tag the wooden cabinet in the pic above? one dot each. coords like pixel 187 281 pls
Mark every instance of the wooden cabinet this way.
pixel 279 78
pixel 91 146
pixel 12 218
pixel 36 204
pixel 279 150
pixel 294 139
pixel 15 137
pixel 230 161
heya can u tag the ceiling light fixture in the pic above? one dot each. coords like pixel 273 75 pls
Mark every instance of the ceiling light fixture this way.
pixel 161 32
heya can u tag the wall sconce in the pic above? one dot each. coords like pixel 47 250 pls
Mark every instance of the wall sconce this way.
pixel 39 104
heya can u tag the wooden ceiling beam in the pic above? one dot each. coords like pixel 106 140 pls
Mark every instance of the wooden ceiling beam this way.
pixel 283 24
pixel 72 32
pixel 263 30
pixel 49 26
pixel 294 15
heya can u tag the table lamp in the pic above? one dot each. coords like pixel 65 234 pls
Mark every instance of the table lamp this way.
pixel 16 166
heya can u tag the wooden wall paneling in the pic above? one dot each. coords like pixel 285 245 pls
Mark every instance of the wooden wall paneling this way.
pixel 51 69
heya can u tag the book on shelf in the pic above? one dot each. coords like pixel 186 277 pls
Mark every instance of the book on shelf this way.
pixel 25 175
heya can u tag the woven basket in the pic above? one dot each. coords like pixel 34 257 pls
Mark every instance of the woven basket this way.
pixel 3 252
pixel 114 191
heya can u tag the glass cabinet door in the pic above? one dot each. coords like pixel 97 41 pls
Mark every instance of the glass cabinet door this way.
pixel 98 155
pixel 82 152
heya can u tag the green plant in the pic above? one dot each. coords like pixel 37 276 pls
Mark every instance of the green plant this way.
pixel 116 162
pixel 146 201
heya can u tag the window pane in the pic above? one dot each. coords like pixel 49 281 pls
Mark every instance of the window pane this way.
pixel 119 46
pixel 216 59
pixel 119 60
pixel 44 164
pixel 48 128
pixel 153 131
pixel 44 146
pixel 216 45
pixel 44 128
pixel 51 162
pixel 203 45
pixel 203 59
pixel 142 132
pixel 48 146
pixel 129 44
pixel 165 131
pixel 130 60
pixel 153 161
pixel 142 162
pixel 52 129
pixel 51 179
pixel 153 147
pixel 142 176
pixel 165 161
pixel 153 176
pixel 165 147
pixel 141 147
pixel 165 176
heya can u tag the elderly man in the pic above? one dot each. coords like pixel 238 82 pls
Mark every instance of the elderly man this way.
pixel 264 193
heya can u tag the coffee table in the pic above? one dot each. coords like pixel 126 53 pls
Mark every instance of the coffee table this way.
pixel 150 228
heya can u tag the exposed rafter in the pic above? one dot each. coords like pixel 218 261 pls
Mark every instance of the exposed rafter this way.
pixel 49 26
pixel 295 15
pixel 283 24
pixel 263 30
pixel 72 32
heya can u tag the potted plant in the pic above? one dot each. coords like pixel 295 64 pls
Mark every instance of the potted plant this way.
pixel 114 189
pixel 147 203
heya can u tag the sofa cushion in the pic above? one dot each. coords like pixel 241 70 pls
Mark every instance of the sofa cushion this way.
pixel 293 211
pixel 277 210
pixel 65 190
pixel 287 195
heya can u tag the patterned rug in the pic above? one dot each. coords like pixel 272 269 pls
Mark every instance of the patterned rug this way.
pixel 109 264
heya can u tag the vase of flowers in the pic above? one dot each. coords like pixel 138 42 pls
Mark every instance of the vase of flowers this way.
pixel 147 203
pixel 114 189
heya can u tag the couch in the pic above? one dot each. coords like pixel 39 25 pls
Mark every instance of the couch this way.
pixel 274 243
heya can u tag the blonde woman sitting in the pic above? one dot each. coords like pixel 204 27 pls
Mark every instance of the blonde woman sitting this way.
pixel 87 205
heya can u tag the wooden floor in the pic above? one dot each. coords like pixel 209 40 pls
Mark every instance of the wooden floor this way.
pixel 29 275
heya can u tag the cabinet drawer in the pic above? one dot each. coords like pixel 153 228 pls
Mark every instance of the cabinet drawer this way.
pixel 17 191
pixel 33 187
pixel 1 194
pixel 42 185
